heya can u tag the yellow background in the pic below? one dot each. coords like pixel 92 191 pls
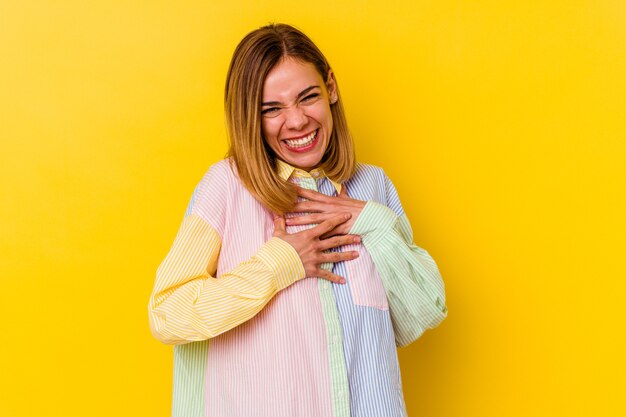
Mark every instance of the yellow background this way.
pixel 502 124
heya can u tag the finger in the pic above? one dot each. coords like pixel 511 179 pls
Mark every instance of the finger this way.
pixel 344 191
pixel 337 241
pixel 335 257
pixel 329 276
pixel 279 224
pixel 329 224
pixel 340 230
pixel 310 207
pixel 307 219
pixel 312 194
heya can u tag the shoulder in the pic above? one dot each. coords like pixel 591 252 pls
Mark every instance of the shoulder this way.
pixel 370 182
pixel 219 170
pixel 220 176
pixel 367 183
pixel 368 173
pixel 212 193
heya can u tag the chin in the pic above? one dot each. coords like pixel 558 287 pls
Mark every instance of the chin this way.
pixel 306 164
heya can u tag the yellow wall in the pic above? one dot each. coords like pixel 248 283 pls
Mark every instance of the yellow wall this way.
pixel 502 123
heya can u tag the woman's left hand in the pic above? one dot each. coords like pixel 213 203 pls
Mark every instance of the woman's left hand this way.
pixel 321 207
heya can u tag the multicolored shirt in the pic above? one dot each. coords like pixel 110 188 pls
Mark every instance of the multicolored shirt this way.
pixel 255 337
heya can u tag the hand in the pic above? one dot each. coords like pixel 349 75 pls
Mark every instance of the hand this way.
pixel 312 249
pixel 323 207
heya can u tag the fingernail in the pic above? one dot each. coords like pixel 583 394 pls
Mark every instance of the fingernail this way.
pixel 346 216
pixel 357 239
pixel 355 253
pixel 342 281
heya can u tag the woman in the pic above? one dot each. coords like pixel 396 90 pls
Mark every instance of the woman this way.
pixel 293 276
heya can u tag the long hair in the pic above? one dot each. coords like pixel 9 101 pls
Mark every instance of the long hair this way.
pixel 255 56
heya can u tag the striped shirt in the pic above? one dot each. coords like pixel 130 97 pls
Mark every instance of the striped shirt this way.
pixel 255 337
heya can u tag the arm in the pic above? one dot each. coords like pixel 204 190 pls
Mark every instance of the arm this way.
pixel 415 291
pixel 189 304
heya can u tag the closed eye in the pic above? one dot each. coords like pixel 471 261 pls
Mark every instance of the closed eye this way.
pixel 270 111
pixel 310 97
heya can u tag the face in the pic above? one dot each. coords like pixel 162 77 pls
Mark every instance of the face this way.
pixel 296 117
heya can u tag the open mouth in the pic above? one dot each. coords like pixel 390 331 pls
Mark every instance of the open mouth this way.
pixel 304 143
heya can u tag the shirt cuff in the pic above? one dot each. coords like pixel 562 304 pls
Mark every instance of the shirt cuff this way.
pixel 373 222
pixel 283 260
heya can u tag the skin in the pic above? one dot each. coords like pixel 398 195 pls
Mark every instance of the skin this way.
pixel 322 207
pixel 296 102
pixel 312 249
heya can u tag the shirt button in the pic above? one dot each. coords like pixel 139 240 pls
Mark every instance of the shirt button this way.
pixel 326 285
pixel 335 339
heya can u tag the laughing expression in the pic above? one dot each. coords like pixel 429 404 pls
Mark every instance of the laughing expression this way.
pixel 296 117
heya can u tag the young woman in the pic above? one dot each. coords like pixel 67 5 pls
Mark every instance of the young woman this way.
pixel 294 275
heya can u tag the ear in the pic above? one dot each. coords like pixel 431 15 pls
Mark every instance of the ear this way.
pixel 331 87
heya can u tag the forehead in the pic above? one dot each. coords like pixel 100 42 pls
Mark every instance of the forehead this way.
pixel 288 78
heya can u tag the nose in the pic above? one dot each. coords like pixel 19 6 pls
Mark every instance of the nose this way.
pixel 296 119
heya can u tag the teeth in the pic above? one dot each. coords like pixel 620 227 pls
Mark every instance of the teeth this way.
pixel 302 142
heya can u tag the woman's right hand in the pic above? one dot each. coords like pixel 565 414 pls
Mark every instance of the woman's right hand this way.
pixel 312 249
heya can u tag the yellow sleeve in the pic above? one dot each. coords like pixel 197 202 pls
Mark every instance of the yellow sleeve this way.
pixel 189 304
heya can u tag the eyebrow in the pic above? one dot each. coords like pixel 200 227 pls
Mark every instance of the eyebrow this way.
pixel 300 94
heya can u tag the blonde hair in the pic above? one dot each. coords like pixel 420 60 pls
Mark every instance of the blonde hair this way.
pixel 254 57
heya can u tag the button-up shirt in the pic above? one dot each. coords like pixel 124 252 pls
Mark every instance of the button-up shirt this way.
pixel 255 337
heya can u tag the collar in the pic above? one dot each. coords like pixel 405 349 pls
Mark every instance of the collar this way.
pixel 286 171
